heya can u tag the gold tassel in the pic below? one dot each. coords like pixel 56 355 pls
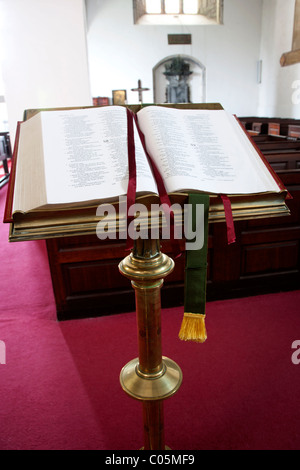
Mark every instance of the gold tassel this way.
pixel 193 328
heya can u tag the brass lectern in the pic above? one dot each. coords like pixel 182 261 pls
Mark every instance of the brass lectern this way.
pixel 151 378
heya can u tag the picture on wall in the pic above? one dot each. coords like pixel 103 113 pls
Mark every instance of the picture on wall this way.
pixel 119 97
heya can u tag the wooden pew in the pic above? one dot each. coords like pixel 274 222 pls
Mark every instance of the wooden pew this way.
pixel 294 131
pixel 274 128
pixel 271 126
pixel 267 143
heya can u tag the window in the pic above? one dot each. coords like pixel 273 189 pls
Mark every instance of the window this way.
pixel 172 7
pixel 178 11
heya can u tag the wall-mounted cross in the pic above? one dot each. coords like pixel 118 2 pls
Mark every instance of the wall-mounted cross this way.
pixel 140 89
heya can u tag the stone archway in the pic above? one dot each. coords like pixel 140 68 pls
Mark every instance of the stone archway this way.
pixel 196 80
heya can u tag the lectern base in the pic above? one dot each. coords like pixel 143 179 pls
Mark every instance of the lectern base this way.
pixel 157 386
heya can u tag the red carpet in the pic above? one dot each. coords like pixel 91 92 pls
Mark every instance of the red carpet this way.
pixel 59 388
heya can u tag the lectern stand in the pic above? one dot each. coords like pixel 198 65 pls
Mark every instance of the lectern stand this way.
pixel 151 378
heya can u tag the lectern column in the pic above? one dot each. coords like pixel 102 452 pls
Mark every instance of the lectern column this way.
pixel 150 378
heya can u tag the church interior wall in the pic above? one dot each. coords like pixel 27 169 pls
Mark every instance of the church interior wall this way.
pixel 278 95
pixel 120 52
pixel 62 53
pixel 43 56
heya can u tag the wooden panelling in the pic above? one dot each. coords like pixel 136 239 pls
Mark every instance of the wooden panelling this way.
pixel 269 257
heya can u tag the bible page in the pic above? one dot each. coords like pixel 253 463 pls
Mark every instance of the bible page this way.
pixel 203 150
pixel 86 155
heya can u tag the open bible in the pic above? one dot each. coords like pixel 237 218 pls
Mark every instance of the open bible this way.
pixel 68 161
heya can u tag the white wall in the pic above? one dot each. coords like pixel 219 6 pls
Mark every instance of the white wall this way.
pixel 43 55
pixel 45 62
pixel 120 52
pixel 3 107
pixel 276 90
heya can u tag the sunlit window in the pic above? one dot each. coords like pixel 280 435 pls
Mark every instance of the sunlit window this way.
pixel 160 12
pixel 190 7
pixel 153 6
pixel 172 7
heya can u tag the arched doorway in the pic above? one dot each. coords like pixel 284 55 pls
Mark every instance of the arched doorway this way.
pixel 179 78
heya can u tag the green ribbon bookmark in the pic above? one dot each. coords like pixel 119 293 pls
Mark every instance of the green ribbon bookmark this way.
pixel 193 324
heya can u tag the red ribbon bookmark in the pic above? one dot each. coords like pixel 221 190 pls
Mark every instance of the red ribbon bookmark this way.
pixel 163 195
pixel 231 237
pixel 131 191
pixel 164 198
